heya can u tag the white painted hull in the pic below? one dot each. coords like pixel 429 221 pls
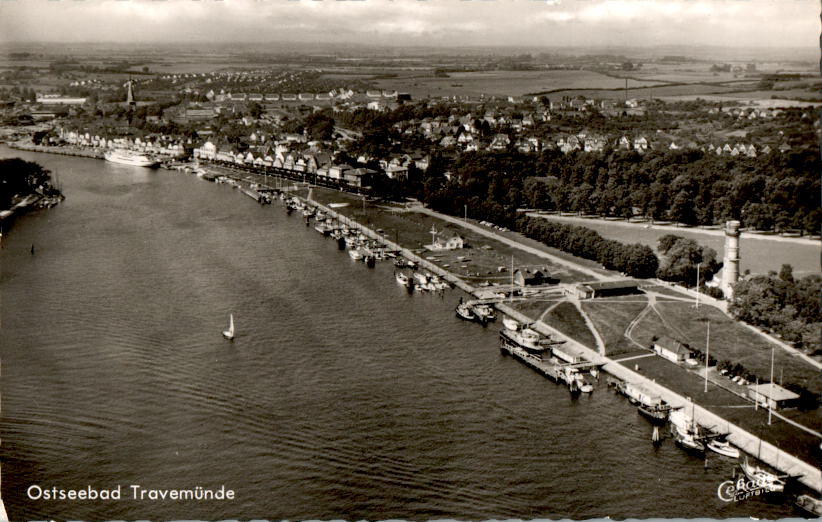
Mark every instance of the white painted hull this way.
pixel 127 158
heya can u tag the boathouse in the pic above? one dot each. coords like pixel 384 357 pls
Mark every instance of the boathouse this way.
pixel 772 395
pixel 671 349
pixel 605 289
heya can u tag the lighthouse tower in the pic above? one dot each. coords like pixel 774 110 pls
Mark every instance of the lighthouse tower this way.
pixel 730 268
pixel 130 94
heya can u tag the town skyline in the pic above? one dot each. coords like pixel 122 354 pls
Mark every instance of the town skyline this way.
pixel 431 23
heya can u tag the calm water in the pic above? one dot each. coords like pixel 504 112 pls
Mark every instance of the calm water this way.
pixel 341 397
pixel 759 255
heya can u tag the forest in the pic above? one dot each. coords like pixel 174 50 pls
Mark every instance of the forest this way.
pixel 780 191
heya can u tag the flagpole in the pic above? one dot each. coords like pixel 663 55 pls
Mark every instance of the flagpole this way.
pixel 707 354
pixel 770 406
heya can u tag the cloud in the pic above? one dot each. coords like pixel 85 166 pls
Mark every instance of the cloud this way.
pixel 407 22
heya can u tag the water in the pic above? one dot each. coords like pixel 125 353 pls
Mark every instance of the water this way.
pixel 757 254
pixel 341 396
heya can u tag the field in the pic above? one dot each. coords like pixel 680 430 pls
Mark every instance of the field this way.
pixel 567 319
pixel 502 83
pixel 611 317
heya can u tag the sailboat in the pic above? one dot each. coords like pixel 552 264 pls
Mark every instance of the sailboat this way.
pixel 229 334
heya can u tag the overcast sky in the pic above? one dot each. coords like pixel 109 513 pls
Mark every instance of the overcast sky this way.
pixel 772 23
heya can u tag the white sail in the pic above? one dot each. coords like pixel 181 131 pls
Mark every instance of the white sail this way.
pixel 229 334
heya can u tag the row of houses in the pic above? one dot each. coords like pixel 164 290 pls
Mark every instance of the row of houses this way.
pixel 161 145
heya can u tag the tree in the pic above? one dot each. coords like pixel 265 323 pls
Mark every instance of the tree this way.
pixel 786 273
pixel 254 110
pixel 681 257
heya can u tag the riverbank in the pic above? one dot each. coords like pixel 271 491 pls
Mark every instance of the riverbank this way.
pixel 64 150
pixel 714 231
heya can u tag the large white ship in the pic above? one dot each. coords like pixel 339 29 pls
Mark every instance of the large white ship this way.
pixel 128 157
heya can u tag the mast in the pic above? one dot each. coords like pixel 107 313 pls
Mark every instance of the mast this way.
pixel 511 295
pixel 707 352
pixel 770 407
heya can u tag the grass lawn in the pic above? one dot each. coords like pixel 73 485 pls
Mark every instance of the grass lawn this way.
pixel 731 340
pixel 567 319
pixel 533 307
pixel 664 290
pixel 611 317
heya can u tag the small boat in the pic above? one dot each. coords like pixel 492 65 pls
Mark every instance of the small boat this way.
pixel 355 254
pixel 510 324
pixel 723 447
pixel 688 440
pixel 585 386
pixel 657 413
pixel 484 312
pixel 526 338
pixel 402 279
pixel 810 505
pixel 770 481
pixel 464 312
pixel 229 334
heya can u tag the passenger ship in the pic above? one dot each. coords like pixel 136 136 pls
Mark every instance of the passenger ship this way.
pixel 127 157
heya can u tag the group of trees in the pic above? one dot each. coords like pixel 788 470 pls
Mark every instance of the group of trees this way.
pixel 683 258
pixel 20 178
pixel 782 304
pixel 634 260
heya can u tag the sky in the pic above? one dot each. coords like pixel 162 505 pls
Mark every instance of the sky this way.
pixel 738 23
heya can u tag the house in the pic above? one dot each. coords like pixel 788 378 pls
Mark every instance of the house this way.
pixel 338 171
pixel 772 395
pixel 671 349
pixel 354 177
pixel 500 142
pixel 455 242
pixel 537 278
pixel 396 172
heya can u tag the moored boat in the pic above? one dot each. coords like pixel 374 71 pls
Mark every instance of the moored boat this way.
pixel 510 324
pixel 657 413
pixel 484 312
pixel 771 481
pixel 464 312
pixel 355 254
pixel 128 157
pixel 402 279
pixel 687 439
pixel 810 505
pixel 723 447
pixel 526 338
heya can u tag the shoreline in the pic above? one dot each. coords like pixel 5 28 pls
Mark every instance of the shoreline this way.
pixel 744 234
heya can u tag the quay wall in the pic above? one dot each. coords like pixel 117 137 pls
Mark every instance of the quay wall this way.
pixel 65 151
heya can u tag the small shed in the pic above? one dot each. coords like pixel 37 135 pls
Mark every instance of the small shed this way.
pixel 671 349
pixel 772 395
pixel 524 279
